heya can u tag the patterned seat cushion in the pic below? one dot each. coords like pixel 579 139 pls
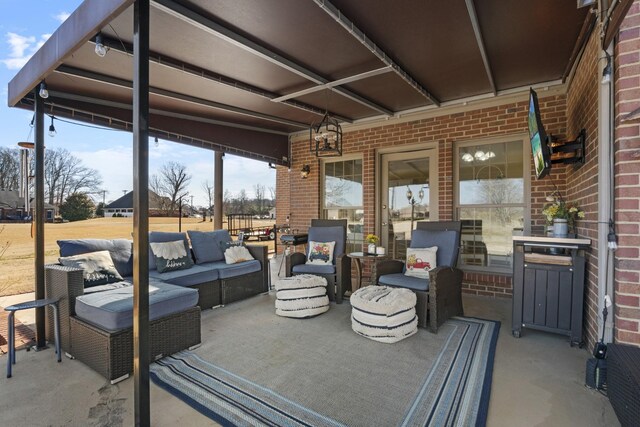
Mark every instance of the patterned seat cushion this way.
pixel 383 313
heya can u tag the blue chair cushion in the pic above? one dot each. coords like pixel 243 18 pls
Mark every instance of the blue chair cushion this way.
pixel 313 269
pixel 206 244
pixel 328 234
pixel 163 236
pixel 227 271
pixel 445 240
pixel 121 251
pixel 195 275
pixel 399 280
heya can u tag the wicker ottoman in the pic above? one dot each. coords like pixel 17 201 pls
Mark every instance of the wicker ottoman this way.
pixel 301 296
pixel 384 313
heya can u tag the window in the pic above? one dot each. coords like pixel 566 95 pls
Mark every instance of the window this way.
pixel 490 202
pixel 342 197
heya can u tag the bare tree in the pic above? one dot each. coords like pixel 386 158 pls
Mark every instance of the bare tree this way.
pixel 227 200
pixel 65 175
pixel 258 189
pixel 172 183
pixel 272 191
pixel 207 187
pixel 242 200
pixel 9 168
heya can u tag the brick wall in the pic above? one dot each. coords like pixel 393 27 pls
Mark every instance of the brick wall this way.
pixel 443 131
pixel 627 180
pixel 582 180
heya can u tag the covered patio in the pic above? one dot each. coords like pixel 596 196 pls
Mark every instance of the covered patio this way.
pixel 417 88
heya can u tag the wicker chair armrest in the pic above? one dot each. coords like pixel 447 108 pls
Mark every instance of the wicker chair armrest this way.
pixel 293 259
pixel 445 295
pixel 380 268
pixel 261 253
pixel 65 283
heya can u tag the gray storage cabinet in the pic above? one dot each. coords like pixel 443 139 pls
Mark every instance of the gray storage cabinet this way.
pixel 548 288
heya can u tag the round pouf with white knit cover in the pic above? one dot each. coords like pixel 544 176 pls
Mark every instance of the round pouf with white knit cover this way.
pixel 301 296
pixel 383 313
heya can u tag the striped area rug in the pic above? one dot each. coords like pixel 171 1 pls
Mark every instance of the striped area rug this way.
pixel 300 374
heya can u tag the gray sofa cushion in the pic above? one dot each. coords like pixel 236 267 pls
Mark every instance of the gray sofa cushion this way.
pixel 164 236
pixel 113 310
pixel 227 271
pixel 313 269
pixel 400 280
pixel 121 251
pixel 446 241
pixel 199 273
pixel 206 244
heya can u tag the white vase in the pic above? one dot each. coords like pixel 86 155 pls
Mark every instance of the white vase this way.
pixel 560 227
pixel 372 248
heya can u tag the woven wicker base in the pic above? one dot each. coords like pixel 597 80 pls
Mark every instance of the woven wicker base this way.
pixel 111 353
pixel 242 287
pixel 209 294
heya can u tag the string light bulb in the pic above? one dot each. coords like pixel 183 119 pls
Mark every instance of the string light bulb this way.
pixel 52 129
pixel 101 49
pixel 44 93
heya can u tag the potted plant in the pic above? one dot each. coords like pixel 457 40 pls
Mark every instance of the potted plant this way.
pixel 562 215
pixel 371 241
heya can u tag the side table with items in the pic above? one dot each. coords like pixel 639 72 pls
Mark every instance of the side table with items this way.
pixel 357 257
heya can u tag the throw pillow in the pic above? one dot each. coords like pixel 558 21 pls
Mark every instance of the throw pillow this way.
pixel 237 253
pixel 320 253
pixel 97 267
pixel 420 261
pixel 170 256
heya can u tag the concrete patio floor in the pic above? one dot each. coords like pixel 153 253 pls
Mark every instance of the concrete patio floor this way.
pixel 538 380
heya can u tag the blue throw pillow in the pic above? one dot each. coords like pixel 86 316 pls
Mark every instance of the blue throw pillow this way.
pixel 206 245
pixel 170 256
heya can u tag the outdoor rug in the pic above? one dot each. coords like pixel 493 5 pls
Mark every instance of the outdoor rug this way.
pixel 256 368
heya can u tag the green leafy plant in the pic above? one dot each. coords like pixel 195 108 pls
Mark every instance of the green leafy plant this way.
pixel 559 209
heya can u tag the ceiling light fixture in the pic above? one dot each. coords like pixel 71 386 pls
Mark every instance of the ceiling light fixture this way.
pixel 101 49
pixel 52 129
pixel 479 155
pixel 325 138
pixel 44 93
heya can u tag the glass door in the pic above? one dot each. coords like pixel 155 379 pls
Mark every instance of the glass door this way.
pixel 409 193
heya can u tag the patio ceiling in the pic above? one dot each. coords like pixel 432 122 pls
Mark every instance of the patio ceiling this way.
pixel 242 75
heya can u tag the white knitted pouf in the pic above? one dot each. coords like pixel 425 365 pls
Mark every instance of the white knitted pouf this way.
pixel 301 296
pixel 384 313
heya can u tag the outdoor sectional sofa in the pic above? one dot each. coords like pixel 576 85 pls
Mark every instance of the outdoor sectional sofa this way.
pixel 96 322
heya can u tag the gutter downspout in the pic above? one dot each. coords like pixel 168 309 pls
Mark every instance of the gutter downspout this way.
pixel 605 195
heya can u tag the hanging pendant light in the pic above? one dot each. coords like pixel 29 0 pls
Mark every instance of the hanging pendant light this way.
pixel 325 138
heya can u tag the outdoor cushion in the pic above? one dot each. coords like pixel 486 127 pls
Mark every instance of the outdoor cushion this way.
pixel 113 310
pixel 108 286
pixel 384 314
pixel 328 234
pixel 446 241
pixel 226 271
pixel 420 261
pixel 314 269
pixel 199 273
pixel 301 296
pixel 121 251
pixel 164 236
pixel 236 254
pixel 97 267
pixel 206 244
pixel 170 256
pixel 401 280
pixel 320 253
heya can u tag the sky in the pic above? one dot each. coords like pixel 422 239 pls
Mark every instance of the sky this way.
pixel 24 26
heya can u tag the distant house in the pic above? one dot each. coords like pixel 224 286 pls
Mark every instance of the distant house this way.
pixel 12 207
pixel 158 205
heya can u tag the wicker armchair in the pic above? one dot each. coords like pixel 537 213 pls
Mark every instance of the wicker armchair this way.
pixel 440 296
pixel 338 274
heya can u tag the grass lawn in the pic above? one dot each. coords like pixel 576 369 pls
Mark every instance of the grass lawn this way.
pixel 17 264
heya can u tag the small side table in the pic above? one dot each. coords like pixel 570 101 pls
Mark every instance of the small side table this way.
pixel 357 257
pixel 11 360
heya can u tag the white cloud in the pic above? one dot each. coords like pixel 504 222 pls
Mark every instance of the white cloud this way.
pixel 62 16
pixel 21 48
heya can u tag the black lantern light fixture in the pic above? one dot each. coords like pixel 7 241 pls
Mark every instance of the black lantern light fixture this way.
pixel 325 137
pixel 306 170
